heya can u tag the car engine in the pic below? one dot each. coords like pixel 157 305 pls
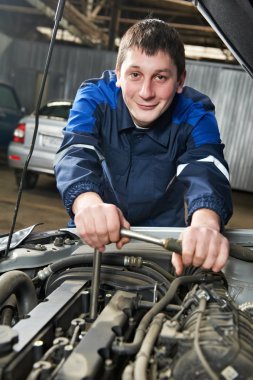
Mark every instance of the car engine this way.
pixel 147 323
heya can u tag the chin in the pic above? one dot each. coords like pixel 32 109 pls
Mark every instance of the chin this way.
pixel 145 121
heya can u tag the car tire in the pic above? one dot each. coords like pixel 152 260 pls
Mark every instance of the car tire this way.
pixel 30 179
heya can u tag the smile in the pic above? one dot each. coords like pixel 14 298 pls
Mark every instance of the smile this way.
pixel 147 106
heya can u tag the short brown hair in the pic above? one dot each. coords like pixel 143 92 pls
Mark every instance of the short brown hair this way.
pixel 151 36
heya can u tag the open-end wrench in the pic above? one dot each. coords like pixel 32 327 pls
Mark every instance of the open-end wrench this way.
pixel 170 244
pixel 173 245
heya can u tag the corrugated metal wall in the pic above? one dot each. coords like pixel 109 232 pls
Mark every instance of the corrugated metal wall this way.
pixel 230 88
pixel 22 64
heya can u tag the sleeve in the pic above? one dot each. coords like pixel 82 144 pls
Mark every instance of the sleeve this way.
pixel 78 162
pixel 203 169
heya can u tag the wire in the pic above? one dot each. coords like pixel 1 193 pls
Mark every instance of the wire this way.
pixel 120 347
pixel 205 365
pixel 58 15
pixel 144 354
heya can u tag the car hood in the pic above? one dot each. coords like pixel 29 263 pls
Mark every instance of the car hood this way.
pixel 233 22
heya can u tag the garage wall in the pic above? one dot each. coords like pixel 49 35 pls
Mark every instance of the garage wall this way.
pixel 22 64
pixel 230 88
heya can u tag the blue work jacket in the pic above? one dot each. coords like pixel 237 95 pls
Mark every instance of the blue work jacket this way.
pixel 158 176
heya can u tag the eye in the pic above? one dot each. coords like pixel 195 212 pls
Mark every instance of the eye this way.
pixel 134 75
pixel 161 78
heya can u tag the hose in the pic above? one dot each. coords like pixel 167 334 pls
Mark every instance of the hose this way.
pixel 143 356
pixel 159 269
pixel 107 259
pixel 7 310
pixel 128 373
pixel 114 277
pixel 200 355
pixel 79 260
pixel 120 347
pixel 20 284
pixel 155 275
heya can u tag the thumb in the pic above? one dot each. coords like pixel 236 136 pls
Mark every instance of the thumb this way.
pixel 177 263
pixel 123 222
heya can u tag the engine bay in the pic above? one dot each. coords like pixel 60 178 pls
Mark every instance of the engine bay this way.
pixel 148 323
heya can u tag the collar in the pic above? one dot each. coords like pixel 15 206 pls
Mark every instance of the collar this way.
pixel 159 131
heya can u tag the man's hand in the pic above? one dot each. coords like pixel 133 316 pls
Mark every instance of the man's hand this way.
pixel 202 243
pixel 98 223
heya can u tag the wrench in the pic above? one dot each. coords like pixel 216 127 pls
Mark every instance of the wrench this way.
pixel 170 244
pixel 236 250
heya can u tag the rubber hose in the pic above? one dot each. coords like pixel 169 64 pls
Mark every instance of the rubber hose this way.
pixel 109 259
pixel 133 347
pixel 143 356
pixel 20 284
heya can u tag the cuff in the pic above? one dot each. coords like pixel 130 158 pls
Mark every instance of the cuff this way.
pixel 212 203
pixel 77 189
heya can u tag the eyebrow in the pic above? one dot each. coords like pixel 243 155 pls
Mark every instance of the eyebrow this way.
pixel 164 70
pixel 157 71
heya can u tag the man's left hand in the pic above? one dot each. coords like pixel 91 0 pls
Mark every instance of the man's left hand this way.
pixel 202 243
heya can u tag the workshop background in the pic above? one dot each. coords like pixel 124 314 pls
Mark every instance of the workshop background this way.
pixel 87 42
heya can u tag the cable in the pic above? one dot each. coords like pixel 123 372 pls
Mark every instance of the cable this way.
pixel 202 359
pixel 158 268
pixel 58 16
pixel 120 347
pixel 110 276
pixel 143 356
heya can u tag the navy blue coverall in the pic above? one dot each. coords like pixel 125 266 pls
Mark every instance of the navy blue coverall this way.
pixel 157 176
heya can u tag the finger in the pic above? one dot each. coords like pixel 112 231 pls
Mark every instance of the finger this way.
pixel 188 248
pixel 95 230
pixel 222 256
pixel 177 263
pixel 200 253
pixel 80 222
pixel 101 234
pixel 124 223
pixel 122 242
pixel 113 223
pixel 212 254
pixel 100 238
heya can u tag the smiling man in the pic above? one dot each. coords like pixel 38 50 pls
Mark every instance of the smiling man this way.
pixel 142 149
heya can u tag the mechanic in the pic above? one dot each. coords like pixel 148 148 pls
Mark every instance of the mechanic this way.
pixel 142 149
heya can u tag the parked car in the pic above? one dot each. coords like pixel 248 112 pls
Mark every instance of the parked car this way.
pixel 10 112
pixel 52 119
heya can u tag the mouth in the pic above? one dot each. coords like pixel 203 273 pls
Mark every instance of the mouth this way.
pixel 147 107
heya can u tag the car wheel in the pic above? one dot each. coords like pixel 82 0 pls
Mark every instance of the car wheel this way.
pixel 30 179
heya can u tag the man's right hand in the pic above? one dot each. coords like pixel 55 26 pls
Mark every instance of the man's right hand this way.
pixel 98 223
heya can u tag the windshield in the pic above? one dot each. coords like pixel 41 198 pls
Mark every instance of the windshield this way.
pixel 56 110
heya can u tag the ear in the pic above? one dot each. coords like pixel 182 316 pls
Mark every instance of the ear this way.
pixel 117 71
pixel 180 83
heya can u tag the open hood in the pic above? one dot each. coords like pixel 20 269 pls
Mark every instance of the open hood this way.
pixel 232 20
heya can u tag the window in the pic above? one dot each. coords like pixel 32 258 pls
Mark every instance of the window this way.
pixel 7 98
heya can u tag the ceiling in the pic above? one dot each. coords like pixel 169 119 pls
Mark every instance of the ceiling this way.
pixel 100 24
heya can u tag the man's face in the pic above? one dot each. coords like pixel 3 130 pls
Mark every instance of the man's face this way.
pixel 148 84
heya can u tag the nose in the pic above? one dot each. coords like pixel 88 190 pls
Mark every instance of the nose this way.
pixel 146 90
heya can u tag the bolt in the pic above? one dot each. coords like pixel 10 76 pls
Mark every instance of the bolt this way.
pixel 58 241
